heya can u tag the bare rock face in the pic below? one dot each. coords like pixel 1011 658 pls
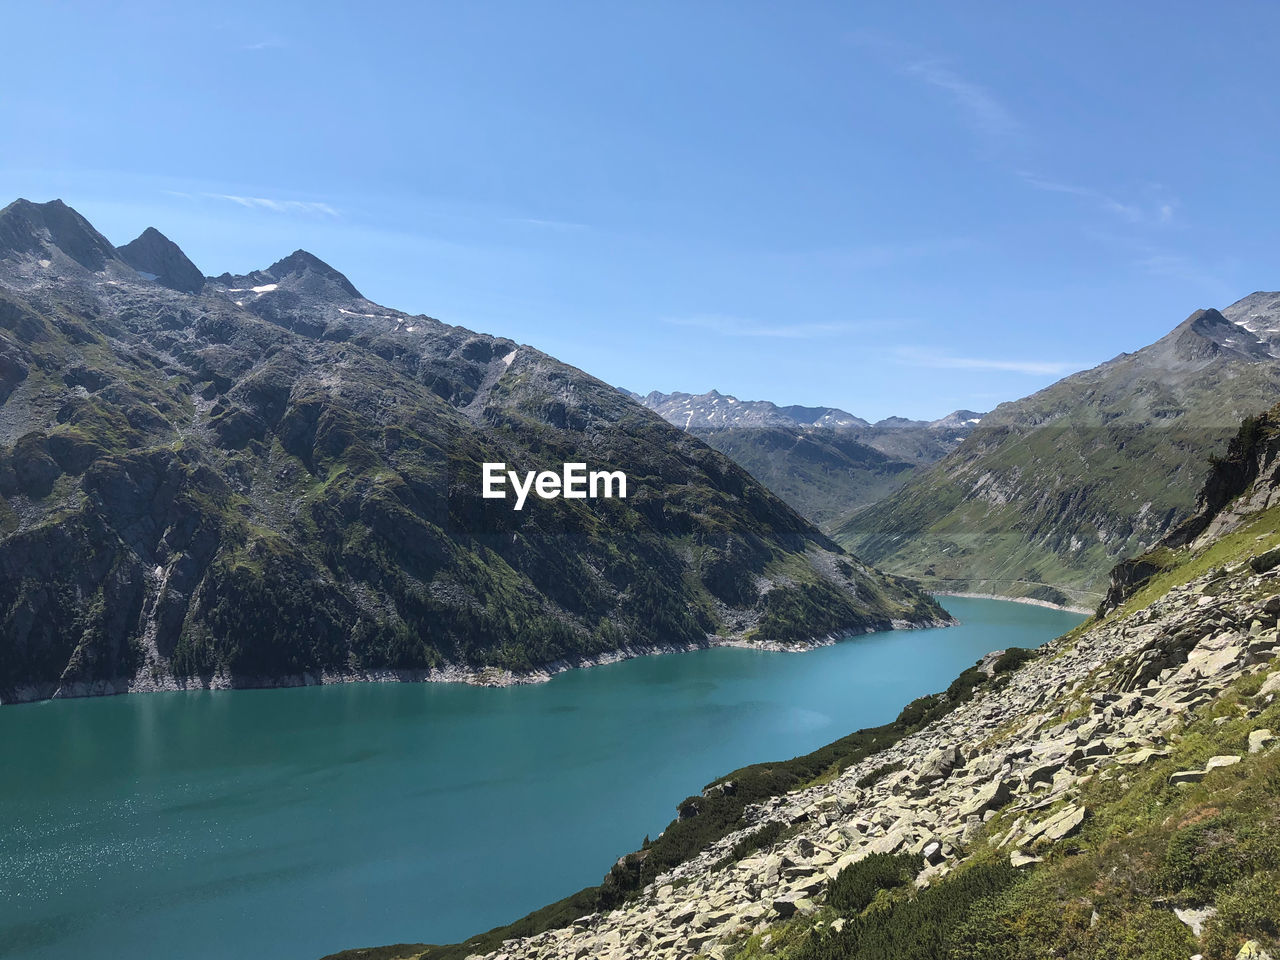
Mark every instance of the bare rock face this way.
pixel 938 764
pixel 155 256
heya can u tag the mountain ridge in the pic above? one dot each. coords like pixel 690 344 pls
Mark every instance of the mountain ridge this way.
pixel 151 252
pixel 279 481
pixel 1049 491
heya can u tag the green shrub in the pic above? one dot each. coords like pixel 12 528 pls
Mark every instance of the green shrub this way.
pixel 1012 659
pixel 1248 909
pixel 925 926
pixel 1216 853
pixel 857 884
pixel 879 773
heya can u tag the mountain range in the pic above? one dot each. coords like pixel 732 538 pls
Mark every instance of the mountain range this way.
pixel 268 478
pixel 1049 491
pixel 825 462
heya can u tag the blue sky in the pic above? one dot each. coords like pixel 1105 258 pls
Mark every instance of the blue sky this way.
pixel 890 208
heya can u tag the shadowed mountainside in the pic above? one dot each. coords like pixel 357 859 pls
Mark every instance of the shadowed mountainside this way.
pixel 274 480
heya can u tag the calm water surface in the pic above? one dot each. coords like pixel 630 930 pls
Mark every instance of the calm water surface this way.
pixel 293 823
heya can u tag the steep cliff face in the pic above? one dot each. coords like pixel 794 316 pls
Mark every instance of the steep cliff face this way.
pixel 277 480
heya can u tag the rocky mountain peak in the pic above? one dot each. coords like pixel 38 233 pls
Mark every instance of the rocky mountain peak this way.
pixel 313 274
pixel 1208 332
pixel 957 420
pixel 47 229
pixel 159 258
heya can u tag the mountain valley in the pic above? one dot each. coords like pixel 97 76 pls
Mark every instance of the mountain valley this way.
pixel 824 462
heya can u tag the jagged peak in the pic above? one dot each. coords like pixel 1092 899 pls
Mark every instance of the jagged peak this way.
pixel 154 254
pixel 27 227
pixel 301 263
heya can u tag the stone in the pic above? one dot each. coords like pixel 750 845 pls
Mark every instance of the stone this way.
pixel 1142 755
pixel 1186 776
pixel 1258 739
pixel 785 908
pixel 1194 917
pixel 1018 859
pixel 991 797
pixel 1223 761
pixel 1252 950
pixel 938 764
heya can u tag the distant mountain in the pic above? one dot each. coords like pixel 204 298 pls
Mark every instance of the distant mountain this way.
pixel 1048 492
pixel 716 411
pixel 273 479
pixel 825 462
pixel 158 258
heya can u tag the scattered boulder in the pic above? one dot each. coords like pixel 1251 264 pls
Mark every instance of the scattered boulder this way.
pixel 1271 685
pixel 1258 740
pixel 1018 859
pixel 1195 917
pixel 786 907
pixel 939 764
pixel 1252 950
pixel 991 797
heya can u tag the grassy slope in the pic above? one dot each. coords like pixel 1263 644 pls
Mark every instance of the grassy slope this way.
pixel 1148 846
pixel 1049 492
pixel 825 475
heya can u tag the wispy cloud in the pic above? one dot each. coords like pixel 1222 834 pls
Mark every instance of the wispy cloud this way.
pixel 738 327
pixel 1157 212
pixel 277 206
pixel 978 106
pixel 914 357
pixel 1005 137
pixel 270 44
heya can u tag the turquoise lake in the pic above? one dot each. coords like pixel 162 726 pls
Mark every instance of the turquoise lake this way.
pixel 293 823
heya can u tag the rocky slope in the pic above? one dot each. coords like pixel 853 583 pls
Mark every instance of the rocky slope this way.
pixel 824 462
pixel 1115 793
pixel 1050 491
pixel 269 478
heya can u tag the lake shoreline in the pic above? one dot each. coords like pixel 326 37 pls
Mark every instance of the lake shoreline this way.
pixel 156 818
pixel 1032 601
pixel 450 673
